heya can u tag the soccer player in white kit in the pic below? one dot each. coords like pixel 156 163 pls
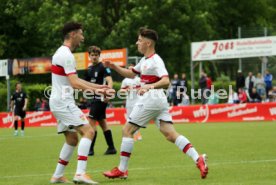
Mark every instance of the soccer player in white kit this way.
pixel 71 120
pixel 151 105
pixel 130 86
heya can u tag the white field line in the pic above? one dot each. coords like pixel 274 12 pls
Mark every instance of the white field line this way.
pixel 150 168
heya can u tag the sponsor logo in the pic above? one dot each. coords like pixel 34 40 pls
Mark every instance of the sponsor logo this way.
pixel 242 112
pixel 272 111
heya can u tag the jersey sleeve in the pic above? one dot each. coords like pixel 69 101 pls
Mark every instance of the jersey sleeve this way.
pixel 69 66
pixel 13 97
pixel 137 69
pixel 161 69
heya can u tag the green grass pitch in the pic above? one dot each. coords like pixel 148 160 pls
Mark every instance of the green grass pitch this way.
pixel 238 154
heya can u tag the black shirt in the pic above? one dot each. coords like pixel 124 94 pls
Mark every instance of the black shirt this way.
pixel 175 83
pixel 96 74
pixel 183 84
pixel 19 99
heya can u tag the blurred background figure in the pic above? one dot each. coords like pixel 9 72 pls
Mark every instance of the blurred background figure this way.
pixel 272 95
pixel 175 83
pixel 203 88
pixel 44 106
pixel 260 86
pixel 233 97
pixel 249 82
pixel 19 102
pixel 37 104
pixel 268 81
pixel 242 96
pixel 240 81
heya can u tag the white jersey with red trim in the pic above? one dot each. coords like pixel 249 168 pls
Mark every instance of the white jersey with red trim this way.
pixel 132 84
pixel 63 64
pixel 151 70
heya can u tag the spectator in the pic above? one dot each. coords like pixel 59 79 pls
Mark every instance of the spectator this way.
pixel 272 95
pixel 213 98
pixel 83 104
pixel 260 86
pixel 37 104
pixel 268 81
pixel 255 97
pixel 240 80
pixel 242 96
pixel 208 82
pixel 170 97
pixel 233 97
pixel 185 99
pixel 44 105
pixel 203 88
pixel 175 85
pixel 249 82
pixel 183 88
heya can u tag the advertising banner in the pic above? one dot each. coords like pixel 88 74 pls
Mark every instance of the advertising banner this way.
pixel 180 114
pixel 30 66
pixel 234 48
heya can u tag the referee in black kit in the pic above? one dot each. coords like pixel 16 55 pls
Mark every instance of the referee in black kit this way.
pixel 98 74
pixel 18 106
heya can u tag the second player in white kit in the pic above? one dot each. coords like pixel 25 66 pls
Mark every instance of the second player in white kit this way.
pixel 152 104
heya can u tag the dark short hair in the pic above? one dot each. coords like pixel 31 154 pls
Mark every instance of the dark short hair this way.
pixel 70 26
pixel 94 49
pixel 148 33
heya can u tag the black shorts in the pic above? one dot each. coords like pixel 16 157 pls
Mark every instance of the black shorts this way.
pixel 97 110
pixel 20 113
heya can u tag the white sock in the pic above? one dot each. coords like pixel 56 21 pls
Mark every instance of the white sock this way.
pixel 64 157
pixel 126 149
pixel 184 144
pixel 83 150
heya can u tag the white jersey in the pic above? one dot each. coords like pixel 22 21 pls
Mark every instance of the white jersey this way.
pixel 132 85
pixel 151 70
pixel 63 64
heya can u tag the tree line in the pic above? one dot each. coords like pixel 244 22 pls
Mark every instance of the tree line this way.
pixel 31 28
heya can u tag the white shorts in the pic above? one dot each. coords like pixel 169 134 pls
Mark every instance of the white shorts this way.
pixel 69 118
pixel 129 110
pixel 141 116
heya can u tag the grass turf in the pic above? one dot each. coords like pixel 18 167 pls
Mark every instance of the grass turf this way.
pixel 239 154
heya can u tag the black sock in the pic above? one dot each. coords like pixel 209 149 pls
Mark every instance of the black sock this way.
pixel 93 142
pixel 22 125
pixel 15 125
pixel 109 139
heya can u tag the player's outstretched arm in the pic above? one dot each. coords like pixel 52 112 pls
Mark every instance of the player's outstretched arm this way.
pixel 78 83
pixel 93 85
pixel 122 71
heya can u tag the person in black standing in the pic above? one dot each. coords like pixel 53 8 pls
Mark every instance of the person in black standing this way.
pixel 203 88
pixel 98 74
pixel 183 86
pixel 175 83
pixel 18 105
pixel 240 81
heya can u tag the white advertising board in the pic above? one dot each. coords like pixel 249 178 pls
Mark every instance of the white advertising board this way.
pixel 234 48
